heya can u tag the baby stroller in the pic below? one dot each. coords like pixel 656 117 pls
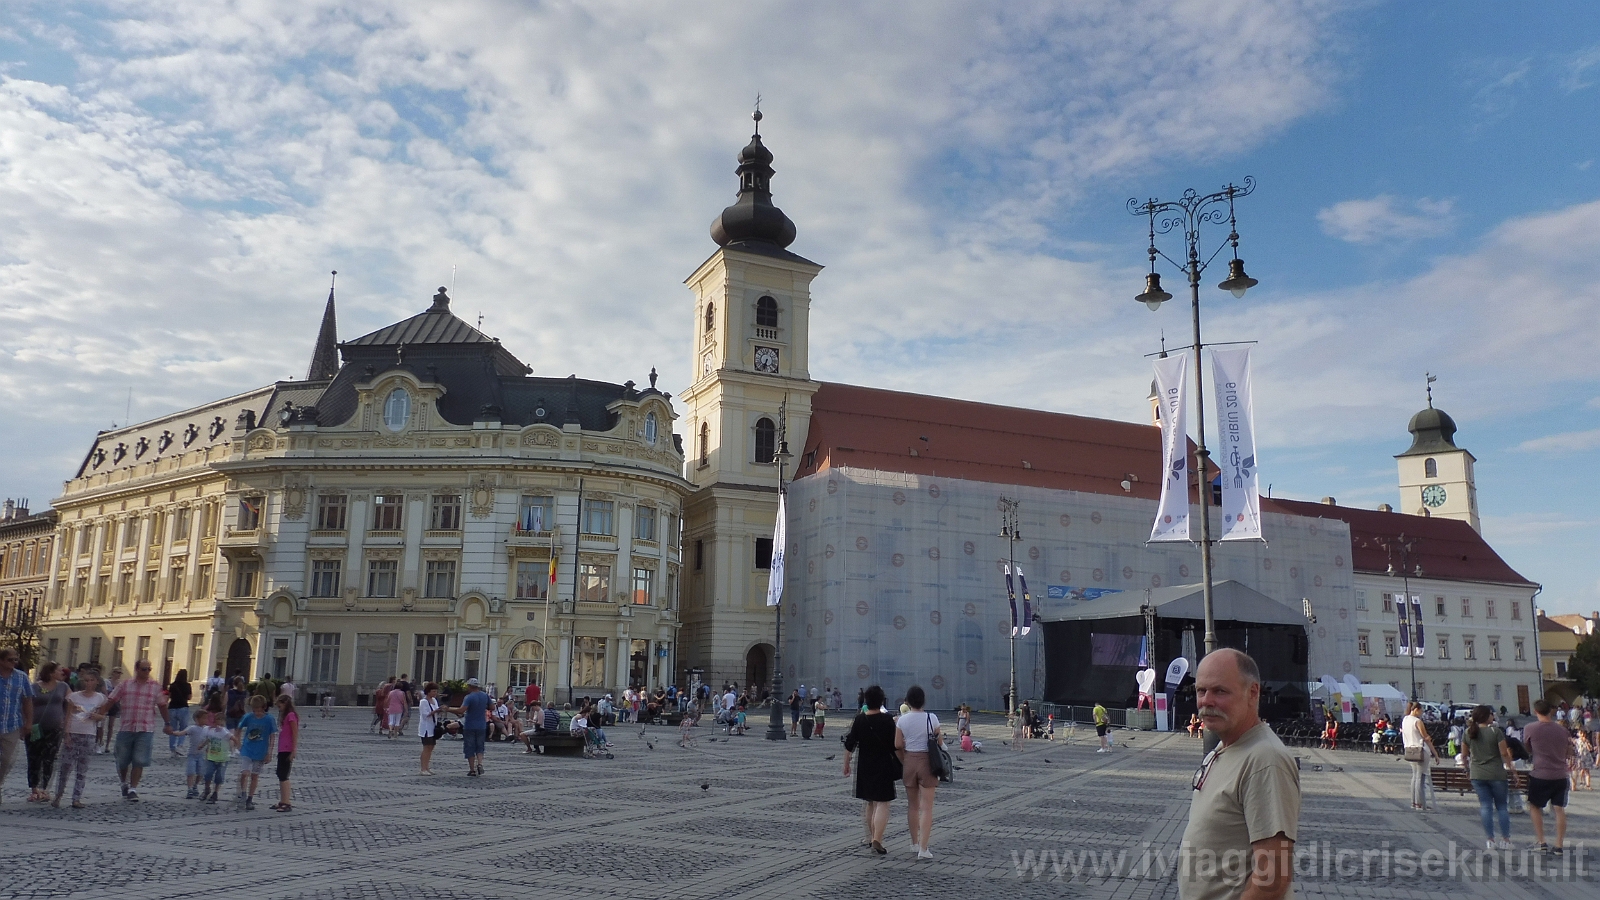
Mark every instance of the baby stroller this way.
pixel 593 747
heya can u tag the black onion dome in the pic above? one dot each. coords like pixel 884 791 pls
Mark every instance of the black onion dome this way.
pixel 1432 431
pixel 753 217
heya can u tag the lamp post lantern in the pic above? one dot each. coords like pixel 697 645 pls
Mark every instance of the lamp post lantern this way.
pixel 1187 214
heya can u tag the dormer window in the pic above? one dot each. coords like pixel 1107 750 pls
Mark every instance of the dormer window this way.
pixel 397 409
pixel 767 312
pixel 1430 468
pixel 650 428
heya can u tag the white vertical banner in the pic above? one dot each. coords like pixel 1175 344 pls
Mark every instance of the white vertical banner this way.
pixel 1236 456
pixel 1172 515
pixel 780 538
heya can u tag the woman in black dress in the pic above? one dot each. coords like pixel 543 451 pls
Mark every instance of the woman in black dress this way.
pixel 872 733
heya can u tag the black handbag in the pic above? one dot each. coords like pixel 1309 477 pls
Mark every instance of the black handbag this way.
pixel 938 757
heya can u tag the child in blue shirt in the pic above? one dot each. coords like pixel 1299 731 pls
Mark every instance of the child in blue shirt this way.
pixel 254 735
pixel 208 755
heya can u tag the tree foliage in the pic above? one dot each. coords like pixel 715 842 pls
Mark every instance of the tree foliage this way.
pixel 1584 669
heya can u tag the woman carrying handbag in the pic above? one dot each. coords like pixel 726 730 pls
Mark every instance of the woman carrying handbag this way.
pixel 1419 752
pixel 873 734
pixel 918 742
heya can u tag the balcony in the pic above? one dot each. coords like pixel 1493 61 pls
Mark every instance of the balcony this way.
pixel 765 333
pixel 238 537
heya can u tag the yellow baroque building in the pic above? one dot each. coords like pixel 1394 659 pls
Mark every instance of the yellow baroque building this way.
pixel 396 512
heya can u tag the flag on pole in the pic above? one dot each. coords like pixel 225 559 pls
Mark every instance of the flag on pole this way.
pixel 1241 498
pixel 780 537
pixel 1027 603
pixel 1011 595
pixel 1418 648
pixel 1172 514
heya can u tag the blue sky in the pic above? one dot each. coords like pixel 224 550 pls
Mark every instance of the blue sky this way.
pixel 177 179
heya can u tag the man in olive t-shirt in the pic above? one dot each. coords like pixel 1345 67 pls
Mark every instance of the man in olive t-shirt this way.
pixel 1244 812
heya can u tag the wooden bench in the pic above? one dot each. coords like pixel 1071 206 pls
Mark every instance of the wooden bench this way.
pixel 556 743
pixel 1454 778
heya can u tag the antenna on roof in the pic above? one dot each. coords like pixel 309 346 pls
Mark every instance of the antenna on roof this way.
pixel 1163 343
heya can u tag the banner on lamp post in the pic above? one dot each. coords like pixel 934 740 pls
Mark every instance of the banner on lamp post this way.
pixel 1405 625
pixel 1172 514
pixel 1241 498
pixel 1418 648
pixel 780 537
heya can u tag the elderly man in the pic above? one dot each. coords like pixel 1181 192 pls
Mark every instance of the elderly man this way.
pixel 16 709
pixel 1245 808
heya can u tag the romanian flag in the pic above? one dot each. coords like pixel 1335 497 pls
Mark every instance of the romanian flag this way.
pixel 552 570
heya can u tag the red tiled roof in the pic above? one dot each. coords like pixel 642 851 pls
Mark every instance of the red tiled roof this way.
pixel 1446 548
pixel 868 428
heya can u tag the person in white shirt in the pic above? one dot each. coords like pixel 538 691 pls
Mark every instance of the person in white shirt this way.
pixel 427 719
pixel 914 731
pixel 85 710
pixel 730 701
pixel 1414 736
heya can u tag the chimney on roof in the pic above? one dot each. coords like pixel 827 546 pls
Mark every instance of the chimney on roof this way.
pixel 9 512
pixel 1384 507
pixel 1329 501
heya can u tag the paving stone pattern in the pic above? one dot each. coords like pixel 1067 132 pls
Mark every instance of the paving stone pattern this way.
pixel 773 820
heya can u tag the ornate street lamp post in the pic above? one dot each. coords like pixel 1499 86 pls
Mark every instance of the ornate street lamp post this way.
pixel 1187 214
pixel 775 730
pixel 1407 550
pixel 1011 533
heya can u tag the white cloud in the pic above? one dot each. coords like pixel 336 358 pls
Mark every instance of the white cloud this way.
pixel 1568 442
pixel 1385 218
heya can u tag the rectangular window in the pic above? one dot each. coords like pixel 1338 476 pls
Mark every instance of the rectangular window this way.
pixel 280 658
pixel 1422 689
pixel 202 582
pixel 1444 646
pixel 1466 608
pixel 533 579
pixel 197 646
pixel 1472 693
pixel 672 591
pixel 536 515
pixel 149 595
pixel 1469 648
pixel 598 517
pixel 441 578
pixel 249 516
pixel 589 662
pixel 1438 607
pixel 763 553
pixel 209 523
pixel 331 511
pixel 102 590
pixel 1361 599
pixel 674 526
pixel 377 656
pixel 643 586
pixel 1388 603
pixel 325 576
pixel 644 523
pixel 81 593
pixel 246 578
pixel 381 576
pixel 158 524
pixel 1446 691
pixel 53 648
pixel 594 583
pixel 94 650
pixel 444 514
pixel 1516 609
pixel 118 645
pixel 1389 644
pixel 130 534
pixel 180 524
pixel 472 658
pixel 428 661
pixel 1517 650
pixel 1561 668
pixel 174 584
pixel 72 652
pixel 1488 609
pixel 1364 644
pixel 144 650
pixel 699 555
pixel 388 511
pixel 1494 649
pixel 1497 695
pixel 325 657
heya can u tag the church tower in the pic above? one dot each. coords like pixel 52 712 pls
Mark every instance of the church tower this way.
pixel 1436 476
pixel 750 394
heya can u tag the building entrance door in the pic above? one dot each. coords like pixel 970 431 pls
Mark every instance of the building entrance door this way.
pixel 239 658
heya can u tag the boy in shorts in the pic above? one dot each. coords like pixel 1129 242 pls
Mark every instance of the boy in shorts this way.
pixel 254 738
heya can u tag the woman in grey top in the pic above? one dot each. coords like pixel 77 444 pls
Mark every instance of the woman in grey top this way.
pixel 1489 762
pixel 49 720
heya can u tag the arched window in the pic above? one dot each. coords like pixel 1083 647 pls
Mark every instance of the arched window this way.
pixel 711 316
pixel 396 409
pixel 527 665
pixel 650 428
pixel 1430 467
pixel 705 443
pixel 766 440
pixel 767 312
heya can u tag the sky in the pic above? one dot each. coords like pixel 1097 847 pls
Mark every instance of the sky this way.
pixel 177 180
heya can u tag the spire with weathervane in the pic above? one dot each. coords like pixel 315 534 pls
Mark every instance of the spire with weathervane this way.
pixel 753 218
pixel 325 358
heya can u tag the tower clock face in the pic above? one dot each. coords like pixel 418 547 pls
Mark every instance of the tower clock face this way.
pixel 767 360
pixel 1433 495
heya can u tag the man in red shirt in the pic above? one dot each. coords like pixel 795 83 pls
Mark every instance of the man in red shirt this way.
pixel 530 695
pixel 143 711
pixel 1551 747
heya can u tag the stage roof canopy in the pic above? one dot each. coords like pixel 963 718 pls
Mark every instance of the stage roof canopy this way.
pixel 1231 601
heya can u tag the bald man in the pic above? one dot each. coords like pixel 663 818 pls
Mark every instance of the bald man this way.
pixel 1245 808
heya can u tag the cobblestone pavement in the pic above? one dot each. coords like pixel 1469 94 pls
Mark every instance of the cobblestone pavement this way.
pixel 737 817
